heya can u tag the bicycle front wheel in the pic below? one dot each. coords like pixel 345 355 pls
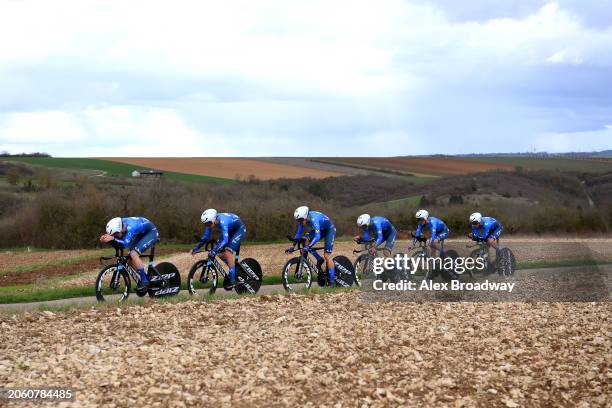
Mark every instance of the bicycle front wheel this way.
pixel 363 269
pixel 202 277
pixel 112 284
pixel 296 275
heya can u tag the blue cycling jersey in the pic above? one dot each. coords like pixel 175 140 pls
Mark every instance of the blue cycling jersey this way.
pixel 229 224
pixel 488 226
pixel 436 225
pixel 135 227
pixel 318 222
pixel 380 226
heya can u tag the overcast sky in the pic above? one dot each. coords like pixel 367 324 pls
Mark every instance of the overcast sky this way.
pixel 302 78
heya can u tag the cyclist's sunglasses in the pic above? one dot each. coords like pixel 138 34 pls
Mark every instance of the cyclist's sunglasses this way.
pixel 474 223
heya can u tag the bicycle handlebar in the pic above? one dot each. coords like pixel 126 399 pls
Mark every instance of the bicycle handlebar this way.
pixel 208 245
pixel 300 243
pixel 420 239
pixel 120 255
pixel 368 244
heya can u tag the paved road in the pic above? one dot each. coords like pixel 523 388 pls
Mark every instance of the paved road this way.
pixel 584 283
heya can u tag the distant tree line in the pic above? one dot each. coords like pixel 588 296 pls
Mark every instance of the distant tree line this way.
pixel 35 154
pixel 45 210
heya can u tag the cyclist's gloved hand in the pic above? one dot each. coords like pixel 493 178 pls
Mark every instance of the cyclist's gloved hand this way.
pixel 212 253
pixel 289 250
pixel 306 248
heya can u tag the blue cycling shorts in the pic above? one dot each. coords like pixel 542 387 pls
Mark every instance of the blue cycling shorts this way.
pixel 236 240
pixel 329 237
pixel 390 240
pixel 496 233
pixel 443 235
pixel 145 241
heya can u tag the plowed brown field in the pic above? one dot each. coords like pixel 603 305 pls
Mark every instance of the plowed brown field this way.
pixel 230 168
pixel 421 165
pixel 318 350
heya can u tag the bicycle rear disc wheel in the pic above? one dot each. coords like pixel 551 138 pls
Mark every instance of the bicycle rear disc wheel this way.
pixel 296 278
pixel 248 276
pixel 345 273
pixel 112 283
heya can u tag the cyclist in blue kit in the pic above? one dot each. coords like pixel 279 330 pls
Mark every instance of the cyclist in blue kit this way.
pixel 137 234
pixel 378 228
pixel 439 231
pixel 486 228
pixel 233 232
pixel 321 227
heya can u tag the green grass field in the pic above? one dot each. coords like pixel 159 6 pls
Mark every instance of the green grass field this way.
pixel 39 293
pixel 592 165
pixel 112 169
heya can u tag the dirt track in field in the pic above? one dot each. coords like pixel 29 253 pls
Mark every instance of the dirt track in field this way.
pixel 424 165
pixel 10 260
pixel 230 168
pixel 41 265
pixel 318 350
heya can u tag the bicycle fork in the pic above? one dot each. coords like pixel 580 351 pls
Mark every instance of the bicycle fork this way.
pixel 114 284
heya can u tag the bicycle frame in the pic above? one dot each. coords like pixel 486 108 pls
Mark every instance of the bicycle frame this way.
pixel 423 250
pixel 367 246
pixel 305 256
pixel 123 262
pixel 214 262
pixel 483 248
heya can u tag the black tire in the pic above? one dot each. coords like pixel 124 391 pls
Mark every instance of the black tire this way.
pixel 513 261
pixel 345 273
pixel 292 281
pixel 505 263
pixel 202 277
pixel 363 269
pixel 427 273
pixel 192 286
pixel 449 273
pixel 104 280
pixel 170 274
pixel 473 255
pixel 248 276
pixel 402 273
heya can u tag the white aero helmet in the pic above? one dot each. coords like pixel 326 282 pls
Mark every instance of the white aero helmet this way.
pixel 209 215
pixel 422 215
pixel 301 212
pixel 363 220
pixel 114 225
pixel 476 218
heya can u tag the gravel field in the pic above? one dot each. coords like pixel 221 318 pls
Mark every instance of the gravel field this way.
pixel 316 350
